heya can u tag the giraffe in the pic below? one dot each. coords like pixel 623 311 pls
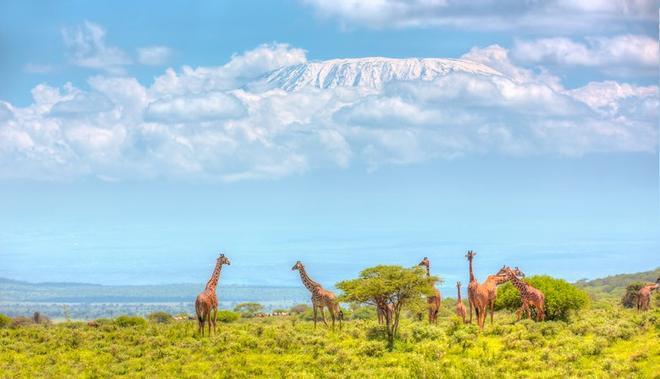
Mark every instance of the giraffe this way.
pixel 385 312
pixel 477 295
pixel 529 295
pixel 644 295
pixel 434 301
pixel 206 304
pixel 460 307
pixel 491 283
pixel 320 297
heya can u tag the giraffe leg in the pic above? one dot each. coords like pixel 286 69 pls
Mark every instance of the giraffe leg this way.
pixel 492 306
pixel 315 309
pixel 332 316
pixel 214 318
pixel 323 316
pixel 470 302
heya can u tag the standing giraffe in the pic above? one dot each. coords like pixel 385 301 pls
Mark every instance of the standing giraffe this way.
pixel 320 297
pixel 384 311
pixel 644 295
pixel 206 304
pixel 460 307
pixel 529 296
pixel 477 295
pixel 491 283
pixel 434 301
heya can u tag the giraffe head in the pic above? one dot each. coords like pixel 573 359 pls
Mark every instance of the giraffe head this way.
pixel 425 262
pixel 470 254
pixel 458 285
pixel 297 266
pixel 222 260
pixel 518 272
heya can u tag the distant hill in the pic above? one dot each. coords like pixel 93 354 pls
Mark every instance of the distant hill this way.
pixel 615 285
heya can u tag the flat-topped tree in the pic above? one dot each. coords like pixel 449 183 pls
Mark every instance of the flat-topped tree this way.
pixel 394 287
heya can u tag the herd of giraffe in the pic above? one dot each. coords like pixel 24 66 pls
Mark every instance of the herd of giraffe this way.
pixel 481 296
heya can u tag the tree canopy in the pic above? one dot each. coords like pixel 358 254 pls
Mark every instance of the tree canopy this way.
pixel 388 287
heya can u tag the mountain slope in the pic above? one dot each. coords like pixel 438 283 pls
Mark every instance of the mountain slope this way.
pixel 368 72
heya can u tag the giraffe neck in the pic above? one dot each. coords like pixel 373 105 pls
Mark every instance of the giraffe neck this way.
pixel 517 283
pixel 215 277
pixel 428 270
pixel 458 289
pixel 501 279
pixel 307 281
pixel 472 278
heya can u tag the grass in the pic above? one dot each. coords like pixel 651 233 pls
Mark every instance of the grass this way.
pixel 604 341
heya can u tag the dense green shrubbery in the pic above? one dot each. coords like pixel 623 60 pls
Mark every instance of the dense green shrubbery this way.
pixel 561 297
pixel 228 316
pixel 160 317
pixel 128 321
pixel 5 320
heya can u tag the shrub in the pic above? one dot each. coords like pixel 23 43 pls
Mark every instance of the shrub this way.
pixel 160 317
pixel 299 309
pixel 21 321
pixel 363 313
pixel 128 321
pixel 248 310
pixel 228 316
pixel 38 318
pixel 5 320
pixel 561 297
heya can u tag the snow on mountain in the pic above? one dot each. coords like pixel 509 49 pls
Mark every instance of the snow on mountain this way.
pixel 368 72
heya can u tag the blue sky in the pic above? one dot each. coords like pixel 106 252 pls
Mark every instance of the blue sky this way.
pixel 132 147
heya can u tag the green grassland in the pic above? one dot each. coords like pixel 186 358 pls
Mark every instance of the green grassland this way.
pixel 601 341
pixel 604 341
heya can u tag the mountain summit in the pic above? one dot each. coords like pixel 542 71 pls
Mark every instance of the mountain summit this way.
pixel 368 72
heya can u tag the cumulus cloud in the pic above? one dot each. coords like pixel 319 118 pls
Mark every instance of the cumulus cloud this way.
pixel 154 55
pixel 623 53
pixel 559 15
pixel 87 48
pixel 207 123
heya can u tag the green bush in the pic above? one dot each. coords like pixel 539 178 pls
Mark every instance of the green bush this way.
pixel 299 309
pixel 561 297
pixel 228 316
pixel 248 310
pixel 160 317
pixel 128 321
pixel 5 320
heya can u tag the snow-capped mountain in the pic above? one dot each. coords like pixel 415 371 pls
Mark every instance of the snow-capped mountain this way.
pixel 368 72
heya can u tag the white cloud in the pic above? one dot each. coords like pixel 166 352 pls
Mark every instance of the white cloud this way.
pixel 87 48
pixel 154 55
pixel 619 53
pixel 561 16
pixel 205 123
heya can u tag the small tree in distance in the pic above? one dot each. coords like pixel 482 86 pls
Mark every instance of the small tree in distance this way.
pixel 391 287
pixel 248 310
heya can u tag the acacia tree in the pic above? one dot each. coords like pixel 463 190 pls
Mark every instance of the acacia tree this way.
pixel 389 287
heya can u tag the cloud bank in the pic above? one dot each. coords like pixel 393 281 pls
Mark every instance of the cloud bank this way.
pixel 209 123
pixel 562 16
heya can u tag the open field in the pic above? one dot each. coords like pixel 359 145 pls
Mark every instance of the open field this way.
pixel 605 341
pixel 602 340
